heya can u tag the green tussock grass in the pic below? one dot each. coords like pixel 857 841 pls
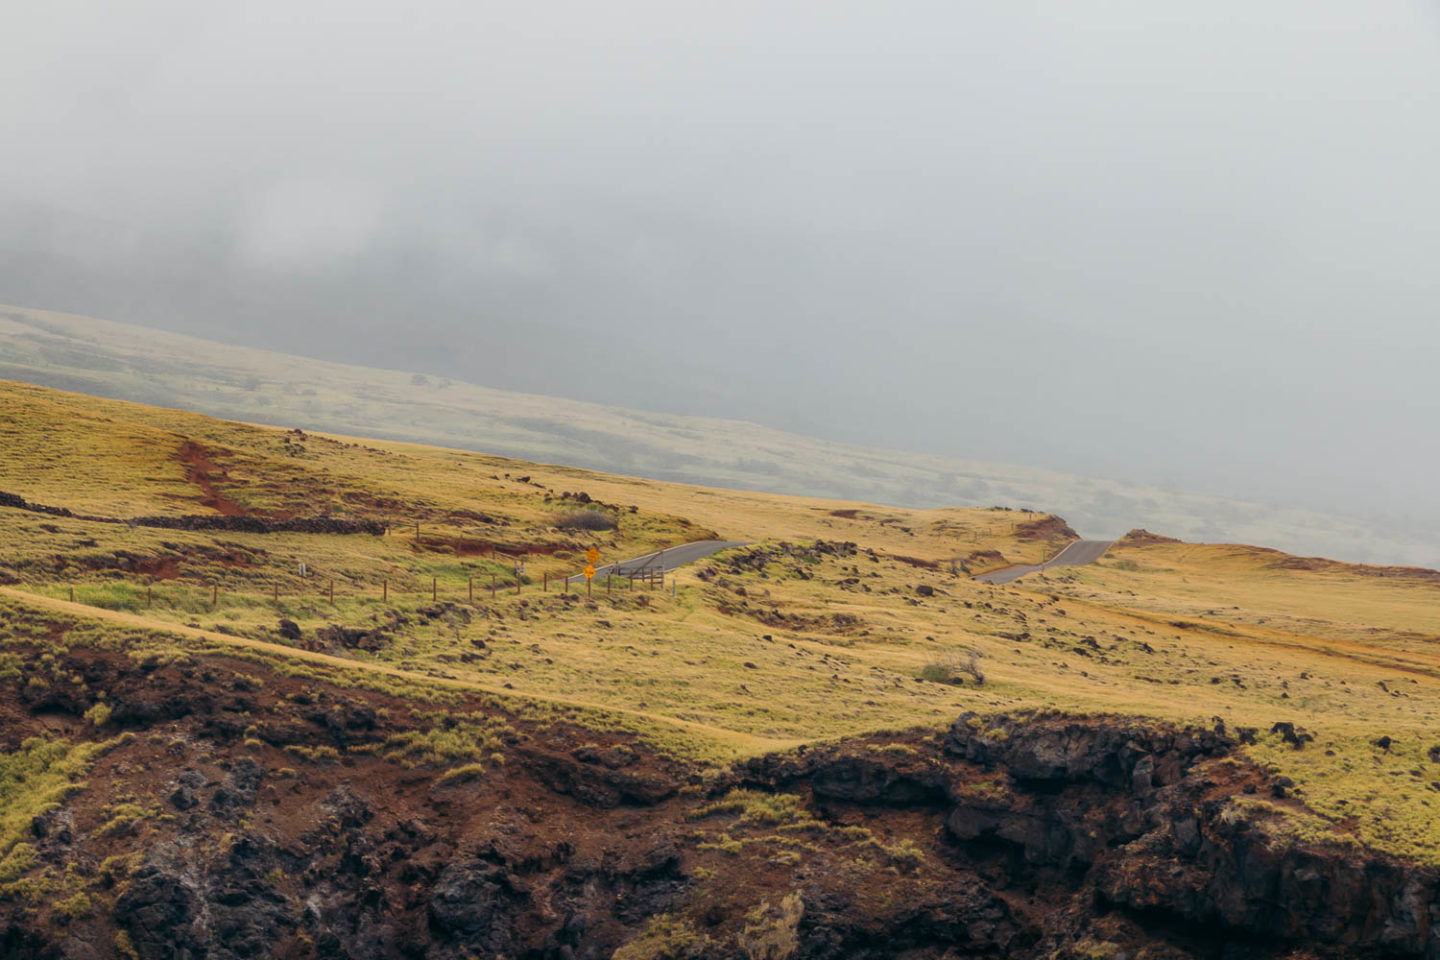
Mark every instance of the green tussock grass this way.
pixel 37 778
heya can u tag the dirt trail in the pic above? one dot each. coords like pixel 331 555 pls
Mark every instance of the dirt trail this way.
pixel 742 742
pixel 201 471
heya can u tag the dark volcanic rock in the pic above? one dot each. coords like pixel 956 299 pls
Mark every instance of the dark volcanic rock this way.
pixel 351 638
pixel 872 779
pixel 471 902
pixel 161 910
pixel 1229 874
pixel 175 907
pixel 1056 749
pixel 237 790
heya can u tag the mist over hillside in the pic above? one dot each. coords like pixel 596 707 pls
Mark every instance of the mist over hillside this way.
pixel 154 367
pixel 880 227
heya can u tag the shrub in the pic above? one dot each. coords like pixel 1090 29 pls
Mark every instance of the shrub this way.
pixel 587 520
pixel 954 667
pixel 937 672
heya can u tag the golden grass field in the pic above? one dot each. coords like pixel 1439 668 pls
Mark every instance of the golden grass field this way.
pixel 839 618
pixel 104 358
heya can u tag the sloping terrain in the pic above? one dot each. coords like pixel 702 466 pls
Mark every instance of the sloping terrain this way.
pixel 150 366
pixel 830 742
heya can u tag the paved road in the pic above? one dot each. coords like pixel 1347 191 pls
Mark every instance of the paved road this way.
pixel 663 560
pixel 1076 554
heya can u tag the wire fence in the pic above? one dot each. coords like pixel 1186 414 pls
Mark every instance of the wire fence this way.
pixel 201 596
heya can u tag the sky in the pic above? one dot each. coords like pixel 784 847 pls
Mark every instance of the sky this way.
pixel 1190 245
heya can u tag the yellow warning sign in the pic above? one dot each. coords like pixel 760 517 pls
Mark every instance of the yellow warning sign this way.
pixel 589 572
pixel 592 554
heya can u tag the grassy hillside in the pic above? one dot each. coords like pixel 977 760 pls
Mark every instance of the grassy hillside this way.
pixel 838 619
pixel 149 366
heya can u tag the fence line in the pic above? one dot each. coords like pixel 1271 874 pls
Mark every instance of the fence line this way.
pixel 325 589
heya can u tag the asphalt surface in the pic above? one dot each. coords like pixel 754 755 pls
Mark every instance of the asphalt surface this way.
pixel 661 561
pixel 1076 554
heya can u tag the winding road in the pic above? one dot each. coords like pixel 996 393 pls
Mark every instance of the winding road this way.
pixel 662 561
pixel 1075 554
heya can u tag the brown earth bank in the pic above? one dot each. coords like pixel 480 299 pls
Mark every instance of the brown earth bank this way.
pixel 243 812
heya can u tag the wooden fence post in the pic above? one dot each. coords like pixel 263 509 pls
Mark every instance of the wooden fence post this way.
pixel 434 589
pixel 72 594
pixel 214 595
pixel 149 595
pixel 385 590
pixel 545 583
pixel 471 585
pixel 332 593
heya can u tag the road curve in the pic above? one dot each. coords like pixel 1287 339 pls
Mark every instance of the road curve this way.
pixel 1075 554
pixel 663 560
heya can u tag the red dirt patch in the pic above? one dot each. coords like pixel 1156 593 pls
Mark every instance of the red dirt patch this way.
pixel 161 568
pixel 202 471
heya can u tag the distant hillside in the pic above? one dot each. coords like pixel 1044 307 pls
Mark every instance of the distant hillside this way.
pixel 150 366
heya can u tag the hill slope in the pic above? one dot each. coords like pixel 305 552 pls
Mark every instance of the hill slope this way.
pixel 150 366
pixel 421 746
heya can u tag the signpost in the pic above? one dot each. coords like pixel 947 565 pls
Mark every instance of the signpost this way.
pixel 589 576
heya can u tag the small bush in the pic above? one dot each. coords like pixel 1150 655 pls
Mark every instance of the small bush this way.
pixel 937 672
pixel 587 520
pixel 954 668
